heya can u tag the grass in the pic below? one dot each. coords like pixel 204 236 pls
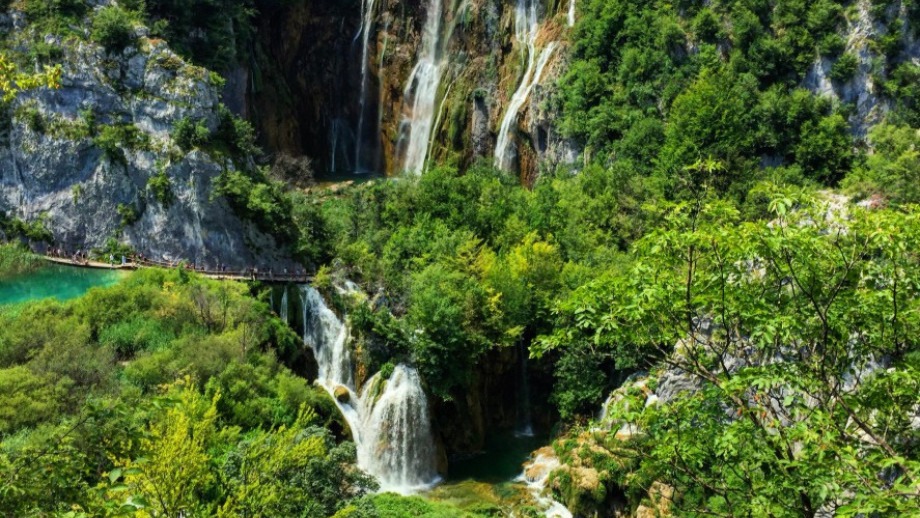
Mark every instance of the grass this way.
pixel 16 260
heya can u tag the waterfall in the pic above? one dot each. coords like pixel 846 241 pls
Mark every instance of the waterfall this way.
pixel 367 23
pixel 389 420
pixel 526 26
pixel 422 91
pixel 571 19
pixel 284 304
pixel 525 420
pixel 397 444
pixel 536 475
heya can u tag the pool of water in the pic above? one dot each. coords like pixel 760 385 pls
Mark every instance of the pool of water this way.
pixel 60 282
pixel 501 460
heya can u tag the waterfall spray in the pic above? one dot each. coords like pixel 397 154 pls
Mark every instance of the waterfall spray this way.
pixel 389 420
pixel 526 26
pixel 367 24
pixel 422 90
pixel 283 313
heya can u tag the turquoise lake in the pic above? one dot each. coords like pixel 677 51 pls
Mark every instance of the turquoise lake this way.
pixel 60 282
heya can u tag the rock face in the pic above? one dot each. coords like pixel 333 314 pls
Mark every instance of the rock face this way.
pixel 81 157
pixel 309 64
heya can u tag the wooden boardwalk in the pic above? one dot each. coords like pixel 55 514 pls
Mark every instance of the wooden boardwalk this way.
pixel 219 275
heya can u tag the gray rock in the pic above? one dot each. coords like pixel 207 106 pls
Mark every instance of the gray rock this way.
pixel 61 175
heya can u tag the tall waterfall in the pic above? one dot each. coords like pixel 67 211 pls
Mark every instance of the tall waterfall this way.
pixel 571 17
pixel 367 25
pixel 283 313
pixel 422 91
pixel 389 419
pixel 525 419
pixel 526 26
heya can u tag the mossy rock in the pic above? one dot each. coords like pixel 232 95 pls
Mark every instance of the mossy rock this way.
pixel 342 395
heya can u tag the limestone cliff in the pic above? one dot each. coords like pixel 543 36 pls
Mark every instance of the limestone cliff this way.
pixel 310 62
pixel 81 157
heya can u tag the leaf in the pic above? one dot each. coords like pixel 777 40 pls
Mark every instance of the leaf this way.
pixel 114 475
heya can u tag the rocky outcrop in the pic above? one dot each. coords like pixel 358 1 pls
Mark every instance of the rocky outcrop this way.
pixel 81 157
pixel 304 95
pixel 861 90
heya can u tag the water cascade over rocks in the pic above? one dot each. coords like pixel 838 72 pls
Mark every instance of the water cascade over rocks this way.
pixel 422 91
pixel 367 25
pixel 526 27
pixel 536 475
pixel 571 17
pixel 389 419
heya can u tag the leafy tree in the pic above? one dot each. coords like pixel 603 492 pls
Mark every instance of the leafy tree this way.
pixel 113 28
pixel 780 327
pixel 174 472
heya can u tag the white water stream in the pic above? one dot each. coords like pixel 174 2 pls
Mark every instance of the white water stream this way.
pixel 422 91
pixel 367 25
pixel 526 27
pixel 389 419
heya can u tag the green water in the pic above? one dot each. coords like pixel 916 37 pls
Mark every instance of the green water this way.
pixel 501 460
pixel 60 282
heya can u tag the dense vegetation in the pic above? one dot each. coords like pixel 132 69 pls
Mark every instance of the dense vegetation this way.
pixel 16 260
pixel 702 239
pixel 659 86
pixel 167 394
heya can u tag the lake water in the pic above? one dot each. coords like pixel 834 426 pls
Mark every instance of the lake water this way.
pixel 60 282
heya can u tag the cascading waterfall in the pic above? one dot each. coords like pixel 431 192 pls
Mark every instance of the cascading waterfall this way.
pixel 283 313
pixel 389 420
pixel 422 91
pixel 526 26
pixel 367 24
pixel 397 446
pixel 525 420
pixel 536 475
pixel 571 19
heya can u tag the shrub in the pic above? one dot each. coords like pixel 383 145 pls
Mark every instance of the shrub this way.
pixel 235 134
pixel 844 68
pixel 129 214
pixel 113 28
pixel 190 134
pixel 161 187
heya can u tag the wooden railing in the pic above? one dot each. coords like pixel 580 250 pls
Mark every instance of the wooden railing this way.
pixel 136 262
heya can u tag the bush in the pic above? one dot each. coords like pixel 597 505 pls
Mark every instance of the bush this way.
pixel 129 214
pixel 844 68
pixel 16 260
pixel 113 28
pixel 190 134
pixel 161 187
pixel 235 134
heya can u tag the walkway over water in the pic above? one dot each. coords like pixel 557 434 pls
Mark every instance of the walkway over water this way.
pixel 135 263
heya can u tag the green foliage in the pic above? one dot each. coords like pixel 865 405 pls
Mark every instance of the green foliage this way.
pixel 388 505
pixel 128 213
pixel 768 322
pixel 892 171
pixel 161 187
pixel 235 134
pixel 55 15
pixel 213 33
pixel 115 139
pixel 113 28
pixel 16 260
pixel 190 134
pixel 660 86
pixel 259 200
pixel 31 230
pixel 844 68
pixel 215 426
